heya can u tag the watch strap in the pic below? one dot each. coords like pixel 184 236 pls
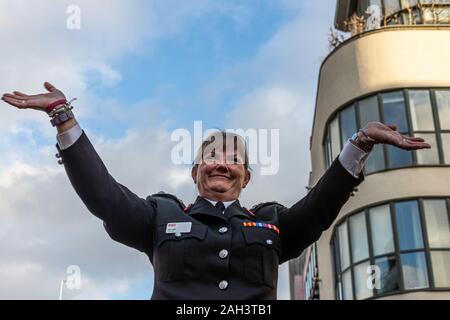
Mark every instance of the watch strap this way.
pixel 61 118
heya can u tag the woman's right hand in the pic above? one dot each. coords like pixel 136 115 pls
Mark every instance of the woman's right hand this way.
pixel 37 101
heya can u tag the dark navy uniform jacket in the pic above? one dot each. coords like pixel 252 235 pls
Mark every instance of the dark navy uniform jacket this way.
pixel 219 258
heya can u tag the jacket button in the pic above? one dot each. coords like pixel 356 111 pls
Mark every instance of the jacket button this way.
pixel 223 284
pixel 223 254
pixel 223 230
pixel 269 242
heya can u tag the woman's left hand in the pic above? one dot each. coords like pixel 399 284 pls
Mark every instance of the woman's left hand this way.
pixel 388 134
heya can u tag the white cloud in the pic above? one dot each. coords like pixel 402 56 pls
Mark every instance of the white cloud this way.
pixel 178 177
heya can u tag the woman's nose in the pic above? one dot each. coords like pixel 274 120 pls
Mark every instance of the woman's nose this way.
pixel 221 167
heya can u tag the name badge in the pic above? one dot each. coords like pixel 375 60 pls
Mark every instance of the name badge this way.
pixel 179 227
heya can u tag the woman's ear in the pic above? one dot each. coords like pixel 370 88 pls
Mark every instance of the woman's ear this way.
pixel 248 176
pixel 194 173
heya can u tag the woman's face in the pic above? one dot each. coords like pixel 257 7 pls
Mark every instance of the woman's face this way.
pixel 221 176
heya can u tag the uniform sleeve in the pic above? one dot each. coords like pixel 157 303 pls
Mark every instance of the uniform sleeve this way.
pixel 127 218
pixel 303 223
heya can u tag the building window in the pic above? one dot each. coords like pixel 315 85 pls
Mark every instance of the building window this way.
pixel 347 286
pixel 394 110
pixel 389 278
pixel 437 223
pixel 347 124
pixel 381 230
pixel 409 229
pixel 440 261
pixel 420 113
pixel 445 137
pixel 443 104
pixel 360 247
pixel 360 274
pixel 335 138
pixel 312 276
pixel 414 269
pixel 369 111
pixel 422 120
pixel 343 252
pixel 408 243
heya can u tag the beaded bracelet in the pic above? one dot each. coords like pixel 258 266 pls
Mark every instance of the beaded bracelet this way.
pixel 59 106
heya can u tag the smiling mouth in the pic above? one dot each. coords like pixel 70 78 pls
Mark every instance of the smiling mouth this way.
pixel 219 176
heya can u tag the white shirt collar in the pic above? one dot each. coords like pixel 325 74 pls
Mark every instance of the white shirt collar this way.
pixel 225 203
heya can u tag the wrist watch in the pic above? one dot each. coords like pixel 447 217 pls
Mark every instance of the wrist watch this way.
pixel 364 145
pixel 61 118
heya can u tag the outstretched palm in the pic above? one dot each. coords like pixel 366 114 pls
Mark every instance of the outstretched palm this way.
pixel 37 101
pixel 387 134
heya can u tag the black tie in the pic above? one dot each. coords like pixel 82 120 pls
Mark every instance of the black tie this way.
pixel 219 205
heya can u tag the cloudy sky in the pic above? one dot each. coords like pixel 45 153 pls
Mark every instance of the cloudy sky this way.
pixel 140 70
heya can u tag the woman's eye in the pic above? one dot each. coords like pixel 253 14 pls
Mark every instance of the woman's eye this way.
pixel 209 158
pixel 234 160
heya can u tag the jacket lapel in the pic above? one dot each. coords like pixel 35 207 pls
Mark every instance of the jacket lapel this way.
pixel 235 210
pixel 204 207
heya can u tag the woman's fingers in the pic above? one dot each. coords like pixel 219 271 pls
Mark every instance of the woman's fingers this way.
pixel 19 103
pixel 49 86
pixel 420 146
pixel 15 96
pixel 408 144
pixel 417 139
pixel 20 94
pixel 383 135
pixel 392 126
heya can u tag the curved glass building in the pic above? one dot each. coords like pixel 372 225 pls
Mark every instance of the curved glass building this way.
pixel 392 239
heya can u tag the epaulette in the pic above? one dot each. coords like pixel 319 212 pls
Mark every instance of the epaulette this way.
pixel 169 196
pixel 249 212
pixel 261 205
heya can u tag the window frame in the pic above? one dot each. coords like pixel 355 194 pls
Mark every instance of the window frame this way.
pixel 387 166
pixel 337 272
